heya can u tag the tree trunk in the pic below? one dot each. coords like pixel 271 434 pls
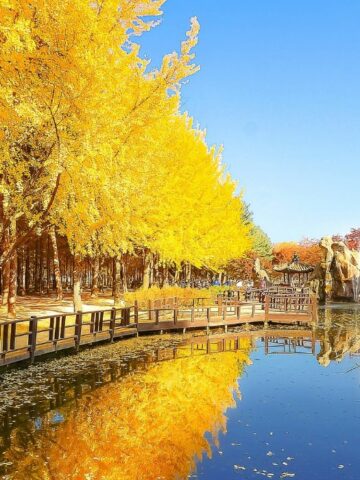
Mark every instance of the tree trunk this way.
pixel 12 274
pixel 95 277
pixel 124 274
pixel 5 282
pixel 176 275
pixel 21 272
pixel 12 286
pixel 57 273
pixel 6 270
pixel 154 278
pixel 27 271
pixel 165 282
pixel 37 273
pixel 77 283
pixel 188 272
pixel 42 263
pixel 147 270
pixel 117 280
pixel 48 265
pixel 69 273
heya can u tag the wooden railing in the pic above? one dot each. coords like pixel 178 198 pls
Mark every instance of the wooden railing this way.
pixel 28 338
pixel 294 306
pixel 289 303
pixel 171 302
pixel 258 294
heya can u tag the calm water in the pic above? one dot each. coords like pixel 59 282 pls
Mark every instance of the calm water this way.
pixel 241 406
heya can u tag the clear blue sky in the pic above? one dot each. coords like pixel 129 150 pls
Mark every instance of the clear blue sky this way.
pixel 279 87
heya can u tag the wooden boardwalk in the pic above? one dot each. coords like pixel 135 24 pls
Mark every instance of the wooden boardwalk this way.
pixel 27 339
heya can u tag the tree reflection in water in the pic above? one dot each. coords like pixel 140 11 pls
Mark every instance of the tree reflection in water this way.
pixel 160 413
pixel 149 425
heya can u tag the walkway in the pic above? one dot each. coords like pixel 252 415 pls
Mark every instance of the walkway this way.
pixel 25 339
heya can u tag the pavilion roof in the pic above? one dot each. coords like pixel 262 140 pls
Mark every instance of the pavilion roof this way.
pixel 294 267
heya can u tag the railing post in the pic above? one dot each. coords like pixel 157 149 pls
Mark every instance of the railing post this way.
pixel 313 342
pixel 51 329
pixel 2 352
pixel 5 337
pixel 220 304
pixel 33 324
pixel 267 308
pixel 78 327
pixel 92 322
pixel 124 316
pixel 149 308
pixel 238 308
pixel 112 324
pixel 175 314
pixel 266 345
pixel 12 336
pixel 63 324
pixel 136 312
pixel 192 313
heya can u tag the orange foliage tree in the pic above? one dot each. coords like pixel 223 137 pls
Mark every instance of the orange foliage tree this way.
pixel 308 251
pixel 353 239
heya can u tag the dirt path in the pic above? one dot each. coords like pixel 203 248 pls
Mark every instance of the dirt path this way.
pixel 47 305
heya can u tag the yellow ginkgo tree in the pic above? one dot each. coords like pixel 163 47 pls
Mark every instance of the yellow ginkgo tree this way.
pixel 94 146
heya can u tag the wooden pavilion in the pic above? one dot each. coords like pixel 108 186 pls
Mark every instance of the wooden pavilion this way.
pixel 295 272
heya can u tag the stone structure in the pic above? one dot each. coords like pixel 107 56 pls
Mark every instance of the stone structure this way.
pixel 338 275
pixel 260 273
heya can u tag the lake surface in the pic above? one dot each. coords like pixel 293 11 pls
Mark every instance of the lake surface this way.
pixel 247 405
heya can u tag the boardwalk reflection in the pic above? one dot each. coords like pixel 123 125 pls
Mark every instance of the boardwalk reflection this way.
pixel 286 345
pixel 337 335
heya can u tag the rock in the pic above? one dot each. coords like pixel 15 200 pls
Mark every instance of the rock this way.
pixel 337 277
pixel 260 273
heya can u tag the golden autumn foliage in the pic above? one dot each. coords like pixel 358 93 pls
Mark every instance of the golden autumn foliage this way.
pixel 150 425
pixel 155 293
pixel 93 141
